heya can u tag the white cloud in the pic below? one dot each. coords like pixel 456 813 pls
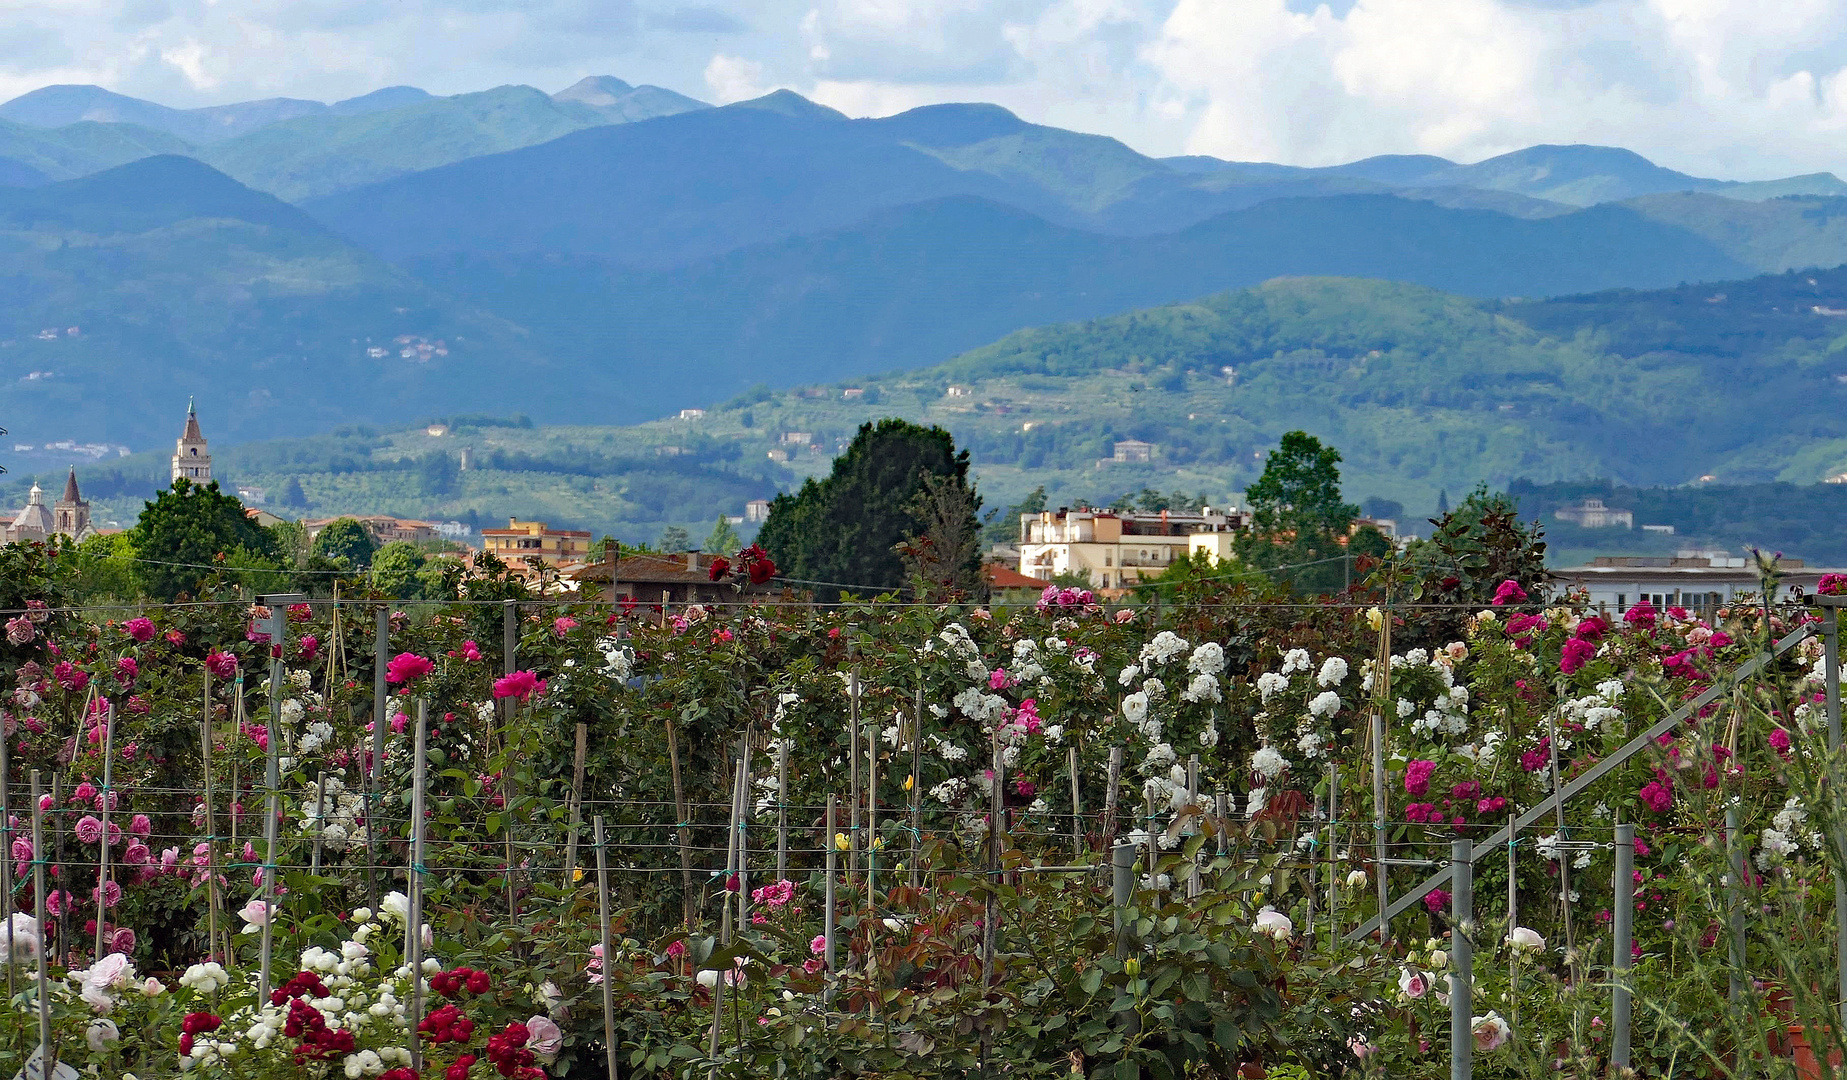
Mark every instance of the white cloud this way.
pixel 733 78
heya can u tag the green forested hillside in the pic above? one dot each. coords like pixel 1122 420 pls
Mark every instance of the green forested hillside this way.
pixel 1422 391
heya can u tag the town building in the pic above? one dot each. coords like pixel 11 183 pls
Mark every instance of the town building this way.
pixel 670 579
pixel 192 458
pixel 69 517
pixel 757 510
pixel 32 523
pixel 383 528
pixel 1117 549
pixel 1133 452
pixel 1592 514
pixel 1694 579
pixel 523 540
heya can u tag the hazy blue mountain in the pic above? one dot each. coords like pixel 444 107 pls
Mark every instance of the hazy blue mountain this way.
pixel 1572 175
pixel 58 106
pixel 319 155
pixel 130 289
pixel 660 192
pixel 913 284
pixel 82 148
pixel 389 97
pixel 16 173
pixel 623 103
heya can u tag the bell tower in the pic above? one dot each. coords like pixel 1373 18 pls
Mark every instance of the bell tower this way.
pixel 192 458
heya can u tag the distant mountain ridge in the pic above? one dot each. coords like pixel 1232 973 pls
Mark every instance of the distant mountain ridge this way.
pixel 59 106
pixel 1577 175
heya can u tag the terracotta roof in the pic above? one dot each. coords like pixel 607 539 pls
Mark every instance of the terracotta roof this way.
pixel 1001 576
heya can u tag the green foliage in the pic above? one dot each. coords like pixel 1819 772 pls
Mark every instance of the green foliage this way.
pixel 673 539
pixel 844 529
pixel 723 539
pixel 293 496
pixel 401 569
pixel 346 540
pixel 187 531
pixel 1300 524
pixel 101 568
pixel 1474 548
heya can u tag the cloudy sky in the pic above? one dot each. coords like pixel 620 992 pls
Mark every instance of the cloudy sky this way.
pixel 1717 87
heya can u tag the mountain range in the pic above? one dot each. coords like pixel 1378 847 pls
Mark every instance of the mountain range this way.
pixel 299 264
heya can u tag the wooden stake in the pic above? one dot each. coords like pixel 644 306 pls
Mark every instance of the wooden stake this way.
pixel 916 785
pixel 853 788
pixel 46 1056
pixel 577 804
pixel 1077 802
pixel 102 858
pixel 375 782
pixel 212 900
pixel 685 830
pixel 6 862
pixel 414 925
pixel 609 992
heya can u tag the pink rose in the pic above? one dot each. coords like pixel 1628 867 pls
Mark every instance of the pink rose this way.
pixel 140 628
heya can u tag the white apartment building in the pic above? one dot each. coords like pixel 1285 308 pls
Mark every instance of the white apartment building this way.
pixel 1699 580
pixel 1117 549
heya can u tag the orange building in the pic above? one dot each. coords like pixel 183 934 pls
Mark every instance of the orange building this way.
pixel 522 540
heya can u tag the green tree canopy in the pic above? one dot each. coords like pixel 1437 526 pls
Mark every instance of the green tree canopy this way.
pixel 1299 522
pixel 188 528
pixel 674 539
pixel 723 539
pixel 344 538
pixel 399 569
pixel 845 528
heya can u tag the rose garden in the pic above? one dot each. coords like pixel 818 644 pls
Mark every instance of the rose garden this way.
pixel 522 837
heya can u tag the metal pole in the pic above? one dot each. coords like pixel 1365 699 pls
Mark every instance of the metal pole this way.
pixel 872 818
pixel 1564 863
pixel 320 820
pixel 38 910
pixel 381 644
pixel 211 828
pixel 684 828
pixel 1622 957
pixel 853 791
pixel 414 950
pixel 602 908
pixel 782 806
pixel 739 823
pixel 1314 864
pixel 991 908
pixel 1378 829
pixel 1461 960
pixel 833 871
pixel 1333 851
pixel 1122 860
pixel 917 786
pixel 102 862
pixel 1193 882
pixel 1109 795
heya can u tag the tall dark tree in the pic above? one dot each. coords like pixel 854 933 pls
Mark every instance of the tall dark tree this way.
pixel 1300 524
pixel 943 553
pixel 845 529
pixel 344 538
pixel 292 494
pixel 189 529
